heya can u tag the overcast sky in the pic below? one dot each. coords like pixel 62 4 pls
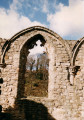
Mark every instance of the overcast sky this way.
pixel 65 17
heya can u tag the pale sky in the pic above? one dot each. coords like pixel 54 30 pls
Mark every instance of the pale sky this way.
pixel 37 49
pixel 65 17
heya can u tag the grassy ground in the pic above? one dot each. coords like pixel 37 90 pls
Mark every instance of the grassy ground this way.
pixel 35 86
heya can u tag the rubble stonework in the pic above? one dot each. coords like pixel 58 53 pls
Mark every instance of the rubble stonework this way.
pixel 65 99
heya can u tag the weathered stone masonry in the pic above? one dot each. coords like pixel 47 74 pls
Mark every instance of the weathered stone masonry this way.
pixel 65 99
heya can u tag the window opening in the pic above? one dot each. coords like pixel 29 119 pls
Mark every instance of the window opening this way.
pixel 36 75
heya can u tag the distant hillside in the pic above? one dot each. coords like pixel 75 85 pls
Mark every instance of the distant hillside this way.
pixel 36 83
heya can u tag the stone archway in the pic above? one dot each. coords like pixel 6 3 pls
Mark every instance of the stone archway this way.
pixel 54 44
pixel 23 59
pixel 76 50
pixel 14 57
pixel 35 29
pixel 78 63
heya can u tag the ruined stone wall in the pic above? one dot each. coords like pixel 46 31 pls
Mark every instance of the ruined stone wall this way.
pixel 71 43
pixel 65 100
pixel 79 77
pixel 2 41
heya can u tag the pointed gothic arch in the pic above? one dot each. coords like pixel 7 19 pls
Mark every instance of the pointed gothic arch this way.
pixel 37 30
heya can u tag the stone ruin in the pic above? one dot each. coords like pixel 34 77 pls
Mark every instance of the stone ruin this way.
pixel 65 99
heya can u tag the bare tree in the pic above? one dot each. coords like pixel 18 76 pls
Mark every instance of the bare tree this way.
pixel 30 63
pixel 42 65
